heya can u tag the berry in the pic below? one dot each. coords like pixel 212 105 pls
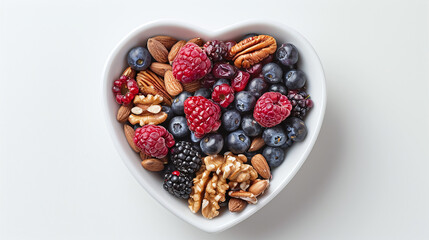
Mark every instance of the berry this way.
pixel 278 87
pixel 139 58
pixel 287 54
pixel 178 103
pixel 268 59
pixel 295 129
pixel 295 79
pixel 250 126
pixel 178 127
pixel 274 156
pixel 221 81
pixel 185 158
pixel 178 184
pixel 223 94
pixel 215 50
pixel 224 70
pixel 274 137
pixel 204 92
pixel 153 140
pixel 231 120
pixel 249 35
pixel 211 144
pixel 272 73
pixel 195 141
pixel 244 101
pixel 125 90
pixel 257 86
pixel 229 45
pixel 237 142
pixel 271 109
pixel 208 81
pixel 239 82
pixel 191 63
pixel 169 111
pixel 202 115
pixel 301 103
pixel 254 70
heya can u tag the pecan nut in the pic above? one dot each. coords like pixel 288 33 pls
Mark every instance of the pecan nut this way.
pixel 252 50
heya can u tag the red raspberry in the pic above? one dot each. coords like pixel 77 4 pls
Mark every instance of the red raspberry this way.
pixel 240 81
pixel 191 63
pixel 271 109
pixel 153 140
pixel 202 115
pixel 223 94
pixel 125 89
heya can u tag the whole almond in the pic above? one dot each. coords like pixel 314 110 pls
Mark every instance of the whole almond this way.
pixel 144 156
pixel 197 41
pixel 167 41
pixel 192 86
pixel 175 50
pixel 259 186
pixel 129 72
pixel 129 135
pixel 236 205
pixel 123 113
pixel 172 85
pixel 153 165
pixel 257 143
pixel 160 68
pixel 164 160
pixel 260 164
pixel 158 51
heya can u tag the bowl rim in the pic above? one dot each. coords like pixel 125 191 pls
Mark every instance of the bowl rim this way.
pixel 185 24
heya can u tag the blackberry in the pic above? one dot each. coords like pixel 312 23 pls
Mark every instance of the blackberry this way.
pixel 185 157
pixel 215 50
pixel 301 103
pixel 178 184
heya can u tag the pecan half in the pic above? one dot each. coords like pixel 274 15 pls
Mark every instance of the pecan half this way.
pixel 252 50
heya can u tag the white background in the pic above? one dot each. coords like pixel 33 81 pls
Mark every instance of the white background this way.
pixel 366 178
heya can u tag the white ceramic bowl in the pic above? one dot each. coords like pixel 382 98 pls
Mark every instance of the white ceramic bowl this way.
pixel 295 157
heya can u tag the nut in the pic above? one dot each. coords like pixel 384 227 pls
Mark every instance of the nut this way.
pixel 257 143
pixel 260 164
pixel 144 156
pixel 154 109
pixel 148 118
pixel 129 72
pixel 236 205
pixel 148 99
pixel 215 193
pixel 172 85
pixel 153 165
pixel 239 186
pixel 252 50
pixel 259 186
pixel 192 86
pixel 197 41
pixel 167 41
pixel 246 196
pixel 158 51
pixel 150 83
pixel 136 110
pixel 160 68
pixel 235 170
pixel 213 162
pixel 200 183
pixel 164 160
pixel 175 50
pixel 123 113
pixel 129 135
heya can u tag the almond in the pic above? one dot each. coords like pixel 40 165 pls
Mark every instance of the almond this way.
pixel 259 186
pixel 261 166
pixel 129 135
pixel 153 165
pixel 164 160
pixel 144 156
pixel 197 41
pixel 172 85
pixel 257 143
pixel 175 50
pixel 167 41
pixel 158 51
pixel 160 68
pixel 236 205
pixel 192 86
pixel 123 113
pixel 129 72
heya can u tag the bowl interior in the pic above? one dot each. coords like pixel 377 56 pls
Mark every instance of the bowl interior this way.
pixel 152 182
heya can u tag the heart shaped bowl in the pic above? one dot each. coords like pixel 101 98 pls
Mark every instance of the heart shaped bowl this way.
pixel 295 157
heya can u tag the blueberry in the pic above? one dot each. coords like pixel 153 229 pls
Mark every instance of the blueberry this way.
pixel 295 129
pixel 257 86
pixel 274 156
pixel 221 81
pixel 169 112
pixel 178 127
pixel 211 144
pixel 278 87
pixel 139 58
pixel 287 144
pixel 204 92
pixel 272 73
pixel 237 142
pixel 274 137
pixel 231 120
pixel 195 139
pixel 295 79
pixel 249 155
pixel 136 126
pixel 250 127
pixel 287 54
pixel 244 101
pixel 178 103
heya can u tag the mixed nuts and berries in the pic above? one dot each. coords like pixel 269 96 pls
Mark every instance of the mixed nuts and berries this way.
pixel 213 117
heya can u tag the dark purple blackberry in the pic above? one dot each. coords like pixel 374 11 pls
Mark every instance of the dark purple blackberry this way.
pixel 215 50
pixel 178 184
pixel 185 157
pixel 301 103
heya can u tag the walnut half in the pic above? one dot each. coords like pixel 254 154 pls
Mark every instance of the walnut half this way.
pixel 252 50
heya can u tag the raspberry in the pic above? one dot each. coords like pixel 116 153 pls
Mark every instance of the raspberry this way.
pixel 223 94
pixel 125 89
pixel 301 103
pixel 153 140
pixel 271 109
pixel 215 50
pixel 202 115
pixel 191 63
